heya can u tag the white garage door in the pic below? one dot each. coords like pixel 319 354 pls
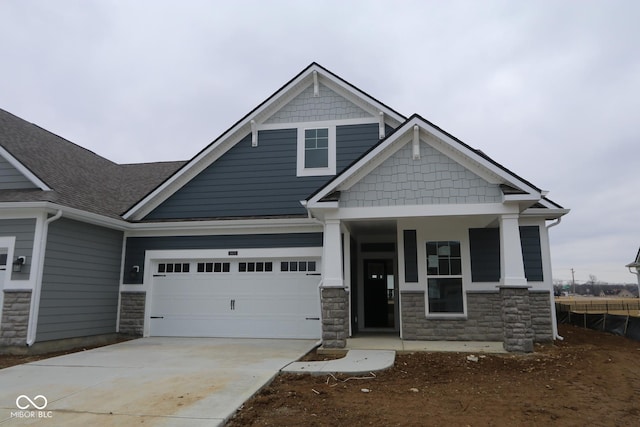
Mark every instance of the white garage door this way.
pixel 273 298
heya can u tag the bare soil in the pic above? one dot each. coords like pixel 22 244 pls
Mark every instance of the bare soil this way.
pixel 589 379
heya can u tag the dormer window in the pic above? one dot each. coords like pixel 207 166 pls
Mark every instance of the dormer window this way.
pixel 316 151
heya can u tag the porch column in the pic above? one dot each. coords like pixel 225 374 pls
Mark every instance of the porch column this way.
pixel 514 291
pixel 332 255
pixel 333 295
pixel 511 262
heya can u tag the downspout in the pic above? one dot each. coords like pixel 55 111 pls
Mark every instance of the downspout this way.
pixel 554 317
pixel 35 297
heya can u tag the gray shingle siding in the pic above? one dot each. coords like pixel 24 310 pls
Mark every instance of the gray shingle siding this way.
pixel 432 179
pixel 260 181
pixel 80 281
pixel 306 107
pixel 24 231
pixel 11 178
pixel 136 247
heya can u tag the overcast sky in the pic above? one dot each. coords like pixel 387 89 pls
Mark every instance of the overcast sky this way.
pixel 549 89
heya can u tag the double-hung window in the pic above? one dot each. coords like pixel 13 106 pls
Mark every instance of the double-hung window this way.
pixel 444 278
pixel 316 150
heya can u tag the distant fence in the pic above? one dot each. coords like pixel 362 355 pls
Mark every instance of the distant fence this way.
pixel 619 318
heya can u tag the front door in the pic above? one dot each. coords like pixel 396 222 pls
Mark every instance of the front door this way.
pixel 379 294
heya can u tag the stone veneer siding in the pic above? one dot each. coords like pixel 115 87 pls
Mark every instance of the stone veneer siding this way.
pixel 483 321
pixel 516 314
pixel 15 317
pixel 541 320
pixel 132 313
pixel 335 317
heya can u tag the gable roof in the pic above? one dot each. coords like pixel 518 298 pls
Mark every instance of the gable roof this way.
pixel 71 175
pixel 478 162
pixel 259 115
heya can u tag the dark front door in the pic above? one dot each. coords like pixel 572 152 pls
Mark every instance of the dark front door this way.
pixel 378 298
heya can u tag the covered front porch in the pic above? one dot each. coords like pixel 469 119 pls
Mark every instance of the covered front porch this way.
pixel 416 283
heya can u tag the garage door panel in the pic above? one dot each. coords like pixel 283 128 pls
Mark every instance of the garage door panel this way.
pixel 271 304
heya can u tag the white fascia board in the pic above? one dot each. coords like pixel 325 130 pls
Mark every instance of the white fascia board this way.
pixel 215 150
pixel 189 171
pixel 443 210
pixel 360 99
pixel 229 138
pixel 448 146
pixel 67 212
pixel 23 170
pixel 361 168
pixel 506 198
pixel 552 213
pixel 456 148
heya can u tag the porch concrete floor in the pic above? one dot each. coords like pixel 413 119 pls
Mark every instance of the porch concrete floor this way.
pixel 389 342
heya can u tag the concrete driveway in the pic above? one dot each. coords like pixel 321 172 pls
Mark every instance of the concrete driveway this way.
pixel 150 381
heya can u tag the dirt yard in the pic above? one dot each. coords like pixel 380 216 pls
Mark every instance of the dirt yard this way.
pixel 589 379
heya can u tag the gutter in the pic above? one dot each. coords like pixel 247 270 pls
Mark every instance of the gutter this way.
pixel 35 296
pixel 554 317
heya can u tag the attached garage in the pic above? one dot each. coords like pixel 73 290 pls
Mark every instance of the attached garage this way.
pixel 258 297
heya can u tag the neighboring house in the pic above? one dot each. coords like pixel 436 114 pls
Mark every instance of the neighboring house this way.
pixel 322 213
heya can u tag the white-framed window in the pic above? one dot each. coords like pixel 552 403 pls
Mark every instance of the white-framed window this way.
pixel 444 278
pixel 316 150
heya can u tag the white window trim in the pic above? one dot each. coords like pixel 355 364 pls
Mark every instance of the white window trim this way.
pixel 442 315
pixel 331 168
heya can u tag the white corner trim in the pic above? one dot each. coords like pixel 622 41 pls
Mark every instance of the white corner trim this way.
pixel 39 250
pixel 23 170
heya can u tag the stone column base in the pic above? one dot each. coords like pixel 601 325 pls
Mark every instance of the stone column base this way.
pixel 132 313
pixel 15 317
pixel 516 316
pixel 335 317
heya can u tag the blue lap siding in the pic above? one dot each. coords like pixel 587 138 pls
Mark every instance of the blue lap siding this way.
pixel 260 181
pixel 23 230
pixel 136 247
pixel 80 281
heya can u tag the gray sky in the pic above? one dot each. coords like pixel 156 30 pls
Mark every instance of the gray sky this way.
pixel 550 89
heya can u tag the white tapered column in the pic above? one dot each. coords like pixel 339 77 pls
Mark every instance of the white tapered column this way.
pixel 511 262
pixel 332 255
